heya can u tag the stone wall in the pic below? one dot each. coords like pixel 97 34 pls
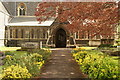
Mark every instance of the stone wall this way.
pixel 82 42
pixel 88 42
pixel 94 42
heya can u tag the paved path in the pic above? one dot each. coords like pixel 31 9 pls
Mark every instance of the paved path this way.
pixel 61 65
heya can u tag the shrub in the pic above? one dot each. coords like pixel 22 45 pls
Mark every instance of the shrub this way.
pixel 97 65
pixel 9 53
pixel 23 60
pixel 36 57
pixel 15 71
pixel 32 60
pixel 118 42
pixel 105 45
pixel 44 52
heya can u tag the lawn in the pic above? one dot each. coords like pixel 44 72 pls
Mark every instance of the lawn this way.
pixel 87 48
pixel 9 48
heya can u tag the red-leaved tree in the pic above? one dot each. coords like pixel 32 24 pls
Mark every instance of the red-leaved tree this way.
pixel 89 18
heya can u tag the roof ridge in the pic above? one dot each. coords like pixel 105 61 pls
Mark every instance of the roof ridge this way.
pixel 24 16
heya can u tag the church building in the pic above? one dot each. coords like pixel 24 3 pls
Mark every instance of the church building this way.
pixel 21 29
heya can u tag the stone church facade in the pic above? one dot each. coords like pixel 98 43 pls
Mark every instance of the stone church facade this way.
pixel 24 30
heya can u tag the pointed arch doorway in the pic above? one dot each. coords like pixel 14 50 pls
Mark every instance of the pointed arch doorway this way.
pixel 60 38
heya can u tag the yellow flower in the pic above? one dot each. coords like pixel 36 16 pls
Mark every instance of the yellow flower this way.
pixel 8 56
pixel 16 71
pixel 103 70
pixel 114 76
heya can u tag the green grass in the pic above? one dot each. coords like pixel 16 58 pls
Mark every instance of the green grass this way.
pixel 9 48
pixel 16 53
pixel 88 48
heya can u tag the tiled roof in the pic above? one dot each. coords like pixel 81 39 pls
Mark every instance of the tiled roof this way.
pixel 28 21
pixel 11 7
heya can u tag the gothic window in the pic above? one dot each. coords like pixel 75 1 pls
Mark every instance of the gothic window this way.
pixel 44 33
pixel 35 33
pixel 32 33
pixel 41 33
pixel 83 35
pixel 11 35
pixel 77 35
pixel 38 33
pixel 21 9
pixel 16 33
pixel 19 33
pixel 27 34
pixel 22 33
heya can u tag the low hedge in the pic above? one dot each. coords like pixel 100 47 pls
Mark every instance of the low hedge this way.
pixel 97 65
pixel 105 45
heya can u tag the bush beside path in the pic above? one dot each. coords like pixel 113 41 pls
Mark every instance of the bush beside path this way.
pixel 96 64
pixel 23 64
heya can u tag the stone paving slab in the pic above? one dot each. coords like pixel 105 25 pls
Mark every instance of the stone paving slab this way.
pixel 61 65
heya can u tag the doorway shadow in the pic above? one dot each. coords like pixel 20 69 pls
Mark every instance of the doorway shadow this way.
pixel 60 38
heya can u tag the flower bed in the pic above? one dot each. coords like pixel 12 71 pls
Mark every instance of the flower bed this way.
pixel 97 65
pixel 23 64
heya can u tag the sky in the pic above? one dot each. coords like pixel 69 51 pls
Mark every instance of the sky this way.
pixel 59 0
